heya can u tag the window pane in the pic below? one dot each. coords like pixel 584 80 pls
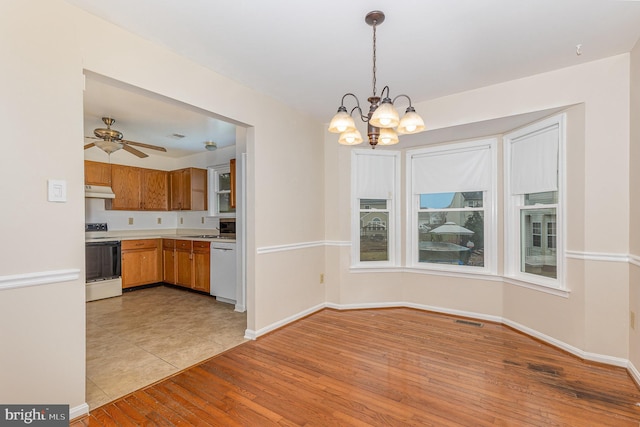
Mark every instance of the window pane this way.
pixel 224 181
pixel 451 237
pixel 538 255
pixel 224 203
pixel 547 198
pixel 373 204
pixel 470 199
pixel 374 236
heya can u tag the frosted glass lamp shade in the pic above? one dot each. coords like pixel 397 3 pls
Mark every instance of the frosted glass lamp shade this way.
pixel 388 137
pixel 108 146
pixel 342 122
pixel 411 123
pixel 385 116
pixel 350 138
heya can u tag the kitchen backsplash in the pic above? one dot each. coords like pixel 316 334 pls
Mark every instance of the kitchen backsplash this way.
pixel 137 220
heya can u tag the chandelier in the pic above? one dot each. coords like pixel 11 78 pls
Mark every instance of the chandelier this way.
pixel 383 122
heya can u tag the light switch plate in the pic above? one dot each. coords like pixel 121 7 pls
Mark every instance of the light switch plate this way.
pixel 57 190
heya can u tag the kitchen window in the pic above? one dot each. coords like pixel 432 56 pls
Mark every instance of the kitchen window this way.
pixel 533 199
pixel 452 207
pixel 375 223
pixel 220 185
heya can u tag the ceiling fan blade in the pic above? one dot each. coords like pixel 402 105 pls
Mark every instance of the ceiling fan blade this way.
pixel 134 151
pixel 90 145
pixel 140 144
pixel 92 137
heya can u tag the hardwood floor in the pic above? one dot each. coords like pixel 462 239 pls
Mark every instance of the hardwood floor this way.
pixel 385 367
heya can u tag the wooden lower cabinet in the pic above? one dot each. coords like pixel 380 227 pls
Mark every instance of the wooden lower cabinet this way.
pixel 201 266
pixel 187 263
pixel 141 262
pixel 183 263
pixel 169 266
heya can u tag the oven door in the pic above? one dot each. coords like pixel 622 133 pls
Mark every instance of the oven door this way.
pixel 103 260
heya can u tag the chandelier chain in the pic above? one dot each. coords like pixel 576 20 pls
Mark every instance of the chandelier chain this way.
pixel 374 58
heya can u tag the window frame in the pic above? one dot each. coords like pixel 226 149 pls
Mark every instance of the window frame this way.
pixel 393 209
pixel 514 204
pixel 490 209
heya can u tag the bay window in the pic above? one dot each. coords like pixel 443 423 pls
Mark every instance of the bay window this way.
pixel 452 207
pixel 375 185
pixel 533 196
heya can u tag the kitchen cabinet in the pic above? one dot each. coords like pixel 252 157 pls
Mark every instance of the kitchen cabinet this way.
pixel 183 263
pixel 169 260
pixel 201 266
pixel 138 189
pixel 97 173
pixel 155 190
pixel 187 263
pixel 188 189
pixel 141 262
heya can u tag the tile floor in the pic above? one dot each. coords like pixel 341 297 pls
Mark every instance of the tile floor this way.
pixel 148 334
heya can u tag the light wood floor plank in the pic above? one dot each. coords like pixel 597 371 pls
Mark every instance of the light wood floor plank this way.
pixel 392 367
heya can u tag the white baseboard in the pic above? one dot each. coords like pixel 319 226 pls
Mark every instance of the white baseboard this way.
pixel 594 357
pixel 633 371
pixel 78 411
pixel 252 335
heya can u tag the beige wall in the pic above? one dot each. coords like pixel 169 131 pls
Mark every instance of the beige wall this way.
pixel 594 316
pixel 42 332
pixel 45 45
pixel 634 225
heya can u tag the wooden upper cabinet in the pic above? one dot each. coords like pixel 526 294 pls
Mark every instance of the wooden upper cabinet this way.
pixel 155 190
pixel 97 173
pixel 139 189
pixel 188 189
pixel 126 183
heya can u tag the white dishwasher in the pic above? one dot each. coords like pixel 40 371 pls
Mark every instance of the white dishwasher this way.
pixel 223 271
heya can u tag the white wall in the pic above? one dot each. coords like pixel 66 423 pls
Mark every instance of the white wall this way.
pixel 594 319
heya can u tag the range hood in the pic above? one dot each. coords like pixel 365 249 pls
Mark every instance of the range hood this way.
pixel 98 192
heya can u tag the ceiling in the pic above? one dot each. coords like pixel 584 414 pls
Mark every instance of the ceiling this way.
pixel 308 54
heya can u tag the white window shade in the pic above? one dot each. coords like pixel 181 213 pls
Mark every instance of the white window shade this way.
pixel 534 162
pixel 452 171
pixel 375 175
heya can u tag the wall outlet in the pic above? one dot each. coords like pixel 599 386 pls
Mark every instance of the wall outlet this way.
pixel 321 278
pixel 181 220
pixel 159 220
pixel 202 220
pixel 130 221
pixel 632 319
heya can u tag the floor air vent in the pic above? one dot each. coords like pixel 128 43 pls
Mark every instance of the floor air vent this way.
pixel 469 322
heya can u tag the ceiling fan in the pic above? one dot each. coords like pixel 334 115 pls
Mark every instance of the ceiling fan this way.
pixel 110 140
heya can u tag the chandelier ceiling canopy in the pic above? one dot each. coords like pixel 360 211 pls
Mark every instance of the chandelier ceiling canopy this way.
pixel 383 122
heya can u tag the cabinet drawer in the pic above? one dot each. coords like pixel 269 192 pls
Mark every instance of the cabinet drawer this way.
pixel 202 247
pixel 168 243
pixel 184 245
pixel 139 244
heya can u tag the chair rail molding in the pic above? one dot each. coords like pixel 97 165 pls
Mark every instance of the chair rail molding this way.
pixel 39 278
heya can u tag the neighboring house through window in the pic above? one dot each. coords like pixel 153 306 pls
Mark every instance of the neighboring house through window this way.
pixel 450 193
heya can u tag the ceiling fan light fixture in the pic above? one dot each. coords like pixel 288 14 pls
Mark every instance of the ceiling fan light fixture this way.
pixel 210 146
pixel 108 146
